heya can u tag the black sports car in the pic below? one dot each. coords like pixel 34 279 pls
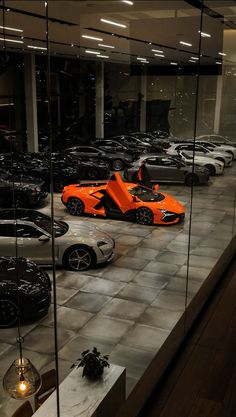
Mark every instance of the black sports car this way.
pixel 137 145
pixel 20 277
pixel 66 169
pixel 20 191
pixel 116 160
pixel 117 154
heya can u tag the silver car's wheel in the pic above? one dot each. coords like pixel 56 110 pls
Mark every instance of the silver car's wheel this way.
pixel 144 216
pixel 117 165
pixel 211 169
pixel 79 258
pixel 75 206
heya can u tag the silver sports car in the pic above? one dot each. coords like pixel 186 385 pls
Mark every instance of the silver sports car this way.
pixel 79 245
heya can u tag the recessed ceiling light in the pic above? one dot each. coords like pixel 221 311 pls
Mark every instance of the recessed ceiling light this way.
pixel 157 50
pixel 42 48
pixel 191 60
pixel 10 40
pixel 141 59
pixel 110 22
pixel 185 43
pixel 173 63
pixel 204 34
pixel 106 46
pixel 194 58
pixel 92 52
pixel 12 29
pixel 222 53
pixel 161 56
pixel 218 63
pixel 92 37
pixel 103 56
pixel 72 45
pixel 131 3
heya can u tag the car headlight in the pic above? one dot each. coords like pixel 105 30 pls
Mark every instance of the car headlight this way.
pixel 101 243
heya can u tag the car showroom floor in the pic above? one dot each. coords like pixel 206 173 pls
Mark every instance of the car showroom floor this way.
pixel 128 308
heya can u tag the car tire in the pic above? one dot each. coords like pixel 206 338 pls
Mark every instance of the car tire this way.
pixel 11 306
pixel 221 160
pixel 191 180
pixel 19 201
pixel 117 165
pixel 79 258
pixel 93 174
pixel 144 216
pixel 211 169
pixel 75 206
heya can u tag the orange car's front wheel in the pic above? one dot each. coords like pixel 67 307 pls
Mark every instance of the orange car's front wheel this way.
pixel 144 216
pixel 75 206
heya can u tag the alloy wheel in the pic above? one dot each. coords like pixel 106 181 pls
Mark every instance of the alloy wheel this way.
pixel 80 259
pixel 75 206
pixel 144 215
pixel 8 313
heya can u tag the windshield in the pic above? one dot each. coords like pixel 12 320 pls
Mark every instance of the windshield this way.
pixel 44 222
pixel 186 156
pixel 146 194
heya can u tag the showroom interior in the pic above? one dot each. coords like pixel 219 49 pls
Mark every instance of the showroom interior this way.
pixel 118 197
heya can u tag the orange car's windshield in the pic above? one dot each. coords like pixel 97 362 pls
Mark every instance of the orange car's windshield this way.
pixel 146 194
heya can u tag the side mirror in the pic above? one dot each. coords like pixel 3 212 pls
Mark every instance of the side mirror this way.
pixel 44 238
pixel 155 187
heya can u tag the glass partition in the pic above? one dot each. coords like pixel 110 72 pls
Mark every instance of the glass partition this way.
pixel 117 173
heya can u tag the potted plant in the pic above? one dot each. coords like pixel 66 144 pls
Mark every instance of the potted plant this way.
pixel 93 363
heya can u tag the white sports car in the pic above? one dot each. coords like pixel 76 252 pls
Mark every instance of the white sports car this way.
pixel 199 150
pixel 214 166
pixel 79 245
pixel 219 148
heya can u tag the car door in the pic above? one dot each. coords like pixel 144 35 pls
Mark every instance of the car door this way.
pixel 32 243
pixel 7 239
pixel 119 193
pixel 154 169
pixel 172 171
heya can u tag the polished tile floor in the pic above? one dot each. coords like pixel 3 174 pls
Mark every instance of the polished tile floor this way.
pixel 128 308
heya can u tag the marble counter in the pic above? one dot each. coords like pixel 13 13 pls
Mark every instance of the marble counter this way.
pixel 80 397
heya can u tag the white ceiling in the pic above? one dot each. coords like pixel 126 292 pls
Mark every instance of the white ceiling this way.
pixel 161 22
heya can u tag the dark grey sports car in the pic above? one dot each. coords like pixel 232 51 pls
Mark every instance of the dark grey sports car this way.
pixel 162 168
pixel 21 277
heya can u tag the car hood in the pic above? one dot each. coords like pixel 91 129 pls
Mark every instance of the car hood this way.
pixel 82 229
pixel 27 180
pixel 169 204
pixel 203 159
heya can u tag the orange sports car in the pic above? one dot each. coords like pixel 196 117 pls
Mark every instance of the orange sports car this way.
pixel 116 199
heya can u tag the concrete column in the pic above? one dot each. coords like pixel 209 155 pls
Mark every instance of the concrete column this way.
pixel 31 103
pixel 99 100
pixel 219 92
pixel 143 103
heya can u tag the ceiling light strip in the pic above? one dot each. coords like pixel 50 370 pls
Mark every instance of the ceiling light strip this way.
pixel 41 48
pixel 10 40
pixel 111 22
pixel 13 29
pixel 106 46
pixel 185 43
pixel 92 38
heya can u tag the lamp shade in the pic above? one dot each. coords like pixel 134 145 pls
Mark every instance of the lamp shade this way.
pixel 22 380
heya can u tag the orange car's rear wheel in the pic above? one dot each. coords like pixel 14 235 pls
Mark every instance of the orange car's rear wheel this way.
pixel 75 206
pixel 144 216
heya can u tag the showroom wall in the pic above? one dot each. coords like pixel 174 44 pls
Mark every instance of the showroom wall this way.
pixel 128 281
